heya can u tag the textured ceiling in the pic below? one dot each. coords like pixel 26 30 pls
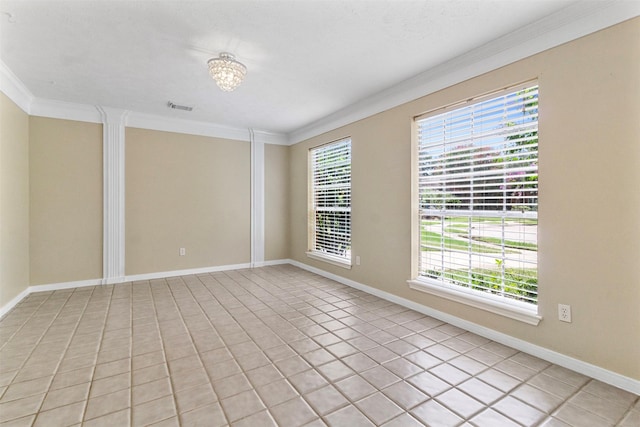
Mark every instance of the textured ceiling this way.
pixel 305 59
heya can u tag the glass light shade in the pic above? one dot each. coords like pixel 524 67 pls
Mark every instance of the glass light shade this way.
pixel 226 71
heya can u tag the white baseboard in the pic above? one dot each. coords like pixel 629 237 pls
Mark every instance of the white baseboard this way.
pixel 9 306
pixel 175 273
pixel 273 262
pixel 593 371
pixel 64 285
pixel 97 282
pixel 45 288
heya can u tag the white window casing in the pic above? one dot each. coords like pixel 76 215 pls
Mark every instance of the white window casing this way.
pixel 477 182
pixel 330 203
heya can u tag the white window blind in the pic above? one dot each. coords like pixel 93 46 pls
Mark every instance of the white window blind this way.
pixel 478 196
pixel 331 200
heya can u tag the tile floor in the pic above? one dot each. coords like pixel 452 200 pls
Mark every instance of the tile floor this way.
pixel 272 346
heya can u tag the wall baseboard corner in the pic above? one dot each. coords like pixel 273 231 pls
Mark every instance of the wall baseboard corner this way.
pixel 176 273
pixel 11 304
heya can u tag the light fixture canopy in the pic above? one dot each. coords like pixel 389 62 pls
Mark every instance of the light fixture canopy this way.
pixel 226 71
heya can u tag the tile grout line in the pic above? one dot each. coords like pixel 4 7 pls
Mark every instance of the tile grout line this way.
pixel 71 336
pixel 311 366
pixel 329 382
pixel 241 368
pixel 35 310
pixel 24 362
pixel 397 338
pixel 578 390
pixel 38 342
pixel 193 341
pixel 275 308
pixel 131 332
pixel 202 310
pixel 284 377
pixel 164 284
pixel 95 364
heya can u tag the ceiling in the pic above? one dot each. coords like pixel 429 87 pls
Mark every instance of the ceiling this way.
pixel 305 59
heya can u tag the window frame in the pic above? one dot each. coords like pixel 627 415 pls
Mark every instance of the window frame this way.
pixel 312 228
pixel 518 310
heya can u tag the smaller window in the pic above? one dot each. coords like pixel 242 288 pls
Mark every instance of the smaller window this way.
pixel 330 202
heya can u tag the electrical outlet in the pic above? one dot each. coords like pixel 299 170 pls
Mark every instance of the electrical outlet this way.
pixel 183 251
pixel 564 313
pixel 357 260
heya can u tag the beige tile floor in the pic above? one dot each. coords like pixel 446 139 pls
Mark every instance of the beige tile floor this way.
pixel 272 346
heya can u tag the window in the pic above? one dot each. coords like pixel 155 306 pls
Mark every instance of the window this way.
pixel 330 203
pixel 478 198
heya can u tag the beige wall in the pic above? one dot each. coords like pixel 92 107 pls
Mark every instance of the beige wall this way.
pixel 66 200
pixel 185 191
pixel 276 202
pixel 14 200
pixel 194 192
pixel 589 232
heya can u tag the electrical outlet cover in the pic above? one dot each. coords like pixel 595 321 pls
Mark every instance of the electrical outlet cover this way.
pixel 564 313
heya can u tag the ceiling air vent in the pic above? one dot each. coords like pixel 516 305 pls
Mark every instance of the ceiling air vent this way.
pixel 179 107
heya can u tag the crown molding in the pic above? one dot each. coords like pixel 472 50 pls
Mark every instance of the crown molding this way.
pixel 192 127
pixel 270 138
pixel 575 21
pixel 65 110
pixel 112 116
pixel 15 90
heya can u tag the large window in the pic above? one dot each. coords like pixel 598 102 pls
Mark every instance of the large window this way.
pixel 478 197
pixel 330 202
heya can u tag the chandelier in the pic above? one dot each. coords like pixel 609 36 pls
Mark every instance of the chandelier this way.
pixel 226 71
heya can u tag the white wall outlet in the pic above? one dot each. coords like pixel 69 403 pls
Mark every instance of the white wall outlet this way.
pixel 564 313
pixel 183 251
pixel 357 260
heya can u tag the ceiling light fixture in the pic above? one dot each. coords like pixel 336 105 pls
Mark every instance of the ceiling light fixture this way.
pixel 226 71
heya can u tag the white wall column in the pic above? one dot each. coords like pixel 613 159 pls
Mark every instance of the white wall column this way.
pixel 113 121
pixel 257 201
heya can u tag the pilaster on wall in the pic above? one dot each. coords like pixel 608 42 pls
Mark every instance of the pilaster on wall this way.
pixel 113 121
pixel 257 200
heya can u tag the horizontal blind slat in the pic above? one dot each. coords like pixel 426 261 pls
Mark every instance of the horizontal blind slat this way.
pixel 477 176
pixel 331 198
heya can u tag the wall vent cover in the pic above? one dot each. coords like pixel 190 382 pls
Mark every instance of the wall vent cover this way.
pixel 179 107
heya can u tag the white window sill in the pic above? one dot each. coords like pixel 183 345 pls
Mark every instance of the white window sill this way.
pixel 338 261
pixel 523 312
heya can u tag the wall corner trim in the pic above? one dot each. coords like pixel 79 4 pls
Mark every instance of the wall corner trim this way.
pixel 11 304
pixel 46 288
pixel 15 90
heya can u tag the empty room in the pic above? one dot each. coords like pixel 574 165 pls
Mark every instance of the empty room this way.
pixel 320 213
